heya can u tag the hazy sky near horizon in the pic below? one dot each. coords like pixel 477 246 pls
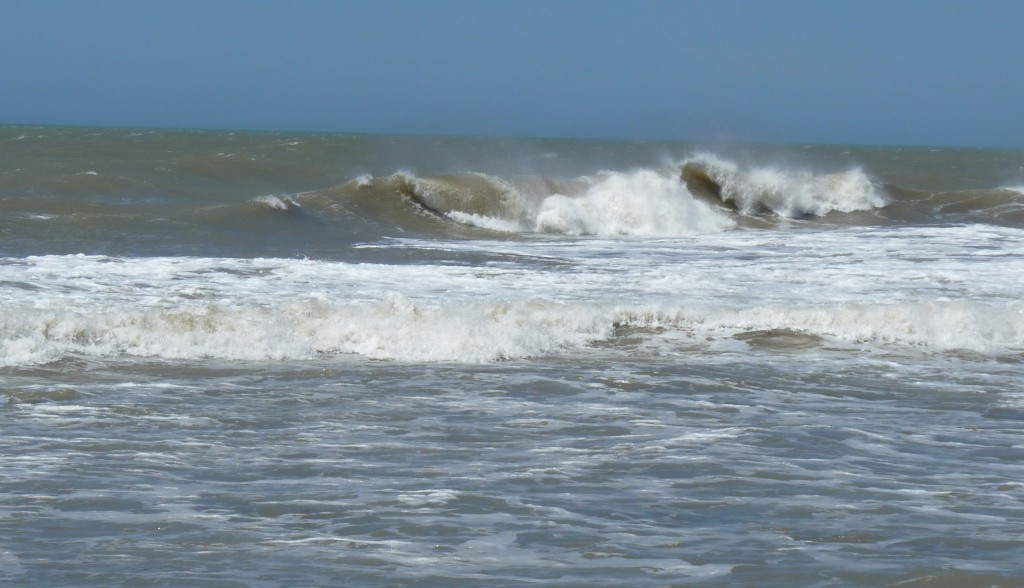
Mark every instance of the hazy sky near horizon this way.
pixel 907 72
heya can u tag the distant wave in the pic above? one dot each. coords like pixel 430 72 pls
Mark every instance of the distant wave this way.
pixel 91 182
pixel 643 202
pixel 274 202
pixel 637 203
pixel 239 168
pixel 701 195
pixel 1000 206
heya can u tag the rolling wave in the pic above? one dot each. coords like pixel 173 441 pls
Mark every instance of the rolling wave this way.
pixel 786 193
pixel 275 202
pixel 704 194
pixel 701 194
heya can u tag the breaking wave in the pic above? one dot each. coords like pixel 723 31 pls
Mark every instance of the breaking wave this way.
pixel 787 193
pixel 643 202
pixel 397 327
pixel 273 202
pixel 703 194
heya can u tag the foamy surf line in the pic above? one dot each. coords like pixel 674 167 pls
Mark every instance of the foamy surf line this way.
pixel 472 331
pixel 932 288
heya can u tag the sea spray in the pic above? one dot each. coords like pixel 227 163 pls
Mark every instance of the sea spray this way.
pixel 651 202
pixel 642 202
pixel 275 202
pixel 785 192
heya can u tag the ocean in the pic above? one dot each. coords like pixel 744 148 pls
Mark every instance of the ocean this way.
pixel 298 359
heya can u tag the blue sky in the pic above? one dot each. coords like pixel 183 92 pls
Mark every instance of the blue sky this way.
pixel 826 71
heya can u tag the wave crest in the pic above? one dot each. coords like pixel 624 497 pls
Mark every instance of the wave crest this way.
pixel 691 198
pixel 273 202
pixel 787 193
pixel 637 203
pixel 642 202
pixel 700 195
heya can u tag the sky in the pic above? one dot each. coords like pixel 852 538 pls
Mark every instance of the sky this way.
pixel 901 72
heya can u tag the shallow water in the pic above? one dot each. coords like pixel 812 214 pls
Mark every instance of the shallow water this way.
pixel 645 472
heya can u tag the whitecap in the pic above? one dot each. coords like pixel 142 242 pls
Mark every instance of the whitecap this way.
pixel 789 192
pixel 641 203
pixel 270 201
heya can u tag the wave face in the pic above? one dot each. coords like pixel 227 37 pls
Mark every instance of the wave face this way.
pixel 638 203
pixel 700 196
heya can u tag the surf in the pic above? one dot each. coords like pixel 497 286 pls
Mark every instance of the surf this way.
pixel 553 298
pixel 703 194
pixel 789 193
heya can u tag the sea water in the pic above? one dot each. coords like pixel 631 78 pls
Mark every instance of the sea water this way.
pixel 268 359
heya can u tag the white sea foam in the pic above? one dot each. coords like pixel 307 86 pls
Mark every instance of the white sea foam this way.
pixel 276 202
pixel 643 202
pixel 394 328
pixel 637 203
pixel 404 329
pixel 486 222
pixel 655 202
pixel 933 325
pixel 932 288
pixel 790 192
